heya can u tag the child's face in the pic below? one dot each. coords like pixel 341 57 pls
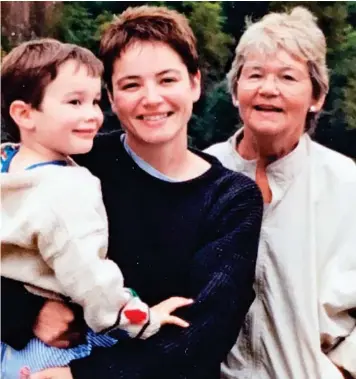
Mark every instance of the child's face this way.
pixel 69 116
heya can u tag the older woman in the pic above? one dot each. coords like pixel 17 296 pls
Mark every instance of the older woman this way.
pixel 300 324
pixel 179 222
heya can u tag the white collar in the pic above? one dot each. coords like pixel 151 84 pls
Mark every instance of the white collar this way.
pixel 281 172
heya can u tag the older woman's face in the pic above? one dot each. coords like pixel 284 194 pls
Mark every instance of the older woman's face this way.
pixel 274 94
pixel 153 94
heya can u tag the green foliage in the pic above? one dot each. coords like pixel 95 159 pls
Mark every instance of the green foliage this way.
pixel 341 40
pixel 348 50
pixel 218 119
pixel 206 20
pixel 236 13
pixel 350 103
pixel 77 25
pixel 351 8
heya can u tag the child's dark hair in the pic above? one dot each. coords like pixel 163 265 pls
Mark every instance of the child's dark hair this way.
pixel 29 68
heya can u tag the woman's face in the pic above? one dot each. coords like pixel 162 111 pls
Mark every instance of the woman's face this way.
pixel 153 94
pixel 275 94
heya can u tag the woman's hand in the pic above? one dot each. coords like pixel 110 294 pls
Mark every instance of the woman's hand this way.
pixel 54 323
pixel 53 373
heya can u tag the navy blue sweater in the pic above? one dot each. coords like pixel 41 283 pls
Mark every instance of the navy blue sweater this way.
pixel 197 239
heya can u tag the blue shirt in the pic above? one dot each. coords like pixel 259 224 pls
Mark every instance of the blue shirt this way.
pixel 144 165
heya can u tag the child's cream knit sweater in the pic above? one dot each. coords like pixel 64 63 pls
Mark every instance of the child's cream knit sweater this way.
pixel 54 237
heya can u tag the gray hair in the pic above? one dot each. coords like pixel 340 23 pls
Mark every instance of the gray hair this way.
pixel 297 33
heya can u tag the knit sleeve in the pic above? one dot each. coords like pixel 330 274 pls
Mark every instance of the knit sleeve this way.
pixel 221 282
pixel 74 244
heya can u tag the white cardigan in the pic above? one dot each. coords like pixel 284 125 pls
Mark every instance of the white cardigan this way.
pixel 298 326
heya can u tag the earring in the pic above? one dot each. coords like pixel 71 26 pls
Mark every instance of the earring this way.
pixel 312 109
pixel 235 102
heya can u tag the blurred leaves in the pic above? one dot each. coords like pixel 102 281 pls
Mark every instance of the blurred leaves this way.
pixel 76 24
pixel 207 20
pixel 218 119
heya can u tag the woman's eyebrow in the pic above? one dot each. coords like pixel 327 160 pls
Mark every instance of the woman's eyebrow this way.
pixel 168 71
pixel 253 66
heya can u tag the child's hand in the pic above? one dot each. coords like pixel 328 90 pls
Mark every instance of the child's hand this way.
pixel 166 307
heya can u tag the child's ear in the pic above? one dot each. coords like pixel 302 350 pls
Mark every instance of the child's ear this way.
pixel 22 114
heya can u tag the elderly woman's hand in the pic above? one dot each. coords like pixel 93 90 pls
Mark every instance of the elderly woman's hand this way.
pixel 53 373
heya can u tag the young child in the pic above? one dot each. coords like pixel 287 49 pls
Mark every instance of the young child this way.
pixel 54 231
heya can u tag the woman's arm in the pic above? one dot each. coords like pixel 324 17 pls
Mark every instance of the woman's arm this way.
pixel 221 277
pixel 338 282
pixel 25 316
